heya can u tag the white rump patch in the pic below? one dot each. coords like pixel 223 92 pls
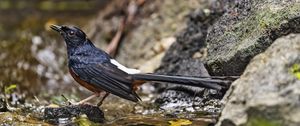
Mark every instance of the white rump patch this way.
pixel 123 68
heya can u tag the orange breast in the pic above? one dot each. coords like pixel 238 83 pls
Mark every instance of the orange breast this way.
pixel 83 83
pixel 136 84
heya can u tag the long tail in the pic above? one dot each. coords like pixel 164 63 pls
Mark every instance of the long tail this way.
pixel 213 82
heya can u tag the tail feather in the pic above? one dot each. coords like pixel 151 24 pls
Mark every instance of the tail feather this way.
pixel 207 82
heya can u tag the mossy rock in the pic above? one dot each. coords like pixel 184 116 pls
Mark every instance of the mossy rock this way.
pixel 247 29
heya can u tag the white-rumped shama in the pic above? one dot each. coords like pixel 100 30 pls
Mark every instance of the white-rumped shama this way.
pixel 94 69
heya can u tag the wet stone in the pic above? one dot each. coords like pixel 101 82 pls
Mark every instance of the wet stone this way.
pixel 185 100
pixel 3 107
pixel 66 113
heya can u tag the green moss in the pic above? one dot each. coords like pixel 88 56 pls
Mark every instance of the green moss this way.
pixel 267 18
pixel 263 19
pixel 295 70
pixel 259 121
pixel 259 21
pixel 84 121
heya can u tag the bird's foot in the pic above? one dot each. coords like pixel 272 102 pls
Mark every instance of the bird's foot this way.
pixel 68 100
pixel 77 103
pixel 100 103
pixel 82 101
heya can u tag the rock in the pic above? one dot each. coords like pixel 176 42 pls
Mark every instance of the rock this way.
pixel 56 115
pixel 268 92
pixel 178 98
pixel 179 60
pixel 3 107
pixel 191 39
pixel 151 65
pixel 247 29
pixel 165 20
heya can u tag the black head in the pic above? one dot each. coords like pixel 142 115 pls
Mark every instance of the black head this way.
pixel 73 36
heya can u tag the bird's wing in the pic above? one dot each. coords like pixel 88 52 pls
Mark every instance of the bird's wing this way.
pixel 109 78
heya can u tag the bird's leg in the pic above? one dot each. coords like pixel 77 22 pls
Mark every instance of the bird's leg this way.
pixel 100 103
pixel 88 98
pixel 69 101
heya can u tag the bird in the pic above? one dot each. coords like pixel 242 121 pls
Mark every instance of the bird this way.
pixel 97 71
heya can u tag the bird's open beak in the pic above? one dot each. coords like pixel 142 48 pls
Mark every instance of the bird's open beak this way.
pixel 56 28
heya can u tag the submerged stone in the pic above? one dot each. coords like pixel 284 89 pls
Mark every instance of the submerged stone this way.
pixel 67 113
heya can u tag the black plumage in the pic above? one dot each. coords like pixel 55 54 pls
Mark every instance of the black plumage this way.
pixel 96 69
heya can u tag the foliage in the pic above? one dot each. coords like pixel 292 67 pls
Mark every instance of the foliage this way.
pixel 84 121
pixel 8 90
pixel 295 70
pixel 258 121
pixel 180 122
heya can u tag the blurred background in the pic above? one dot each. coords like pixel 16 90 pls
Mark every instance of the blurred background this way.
pixel 33 57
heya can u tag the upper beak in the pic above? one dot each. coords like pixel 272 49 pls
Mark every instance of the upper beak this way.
pixel 56 28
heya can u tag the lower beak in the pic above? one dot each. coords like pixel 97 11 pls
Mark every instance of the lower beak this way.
pixel 56 28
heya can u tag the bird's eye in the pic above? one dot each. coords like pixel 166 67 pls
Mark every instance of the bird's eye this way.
pixel 71 33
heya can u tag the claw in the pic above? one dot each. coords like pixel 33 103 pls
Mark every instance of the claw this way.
pixel 68 100
pixel 100 102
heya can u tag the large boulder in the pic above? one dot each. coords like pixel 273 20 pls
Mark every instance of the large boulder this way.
pixel 247 29
pixel 268 92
